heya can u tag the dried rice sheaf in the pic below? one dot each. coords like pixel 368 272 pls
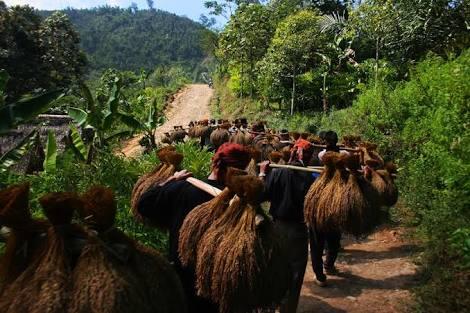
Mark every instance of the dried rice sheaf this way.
pixel 312 198
pixel 44 286
pixel 170 162
pixel 196 224
pixel 236 258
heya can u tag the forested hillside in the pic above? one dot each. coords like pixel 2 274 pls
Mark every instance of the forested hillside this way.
pixel 131 39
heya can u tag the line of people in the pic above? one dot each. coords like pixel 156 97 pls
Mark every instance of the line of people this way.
pixel 285 190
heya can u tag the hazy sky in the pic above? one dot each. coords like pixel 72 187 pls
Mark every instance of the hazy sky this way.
pixel 190 8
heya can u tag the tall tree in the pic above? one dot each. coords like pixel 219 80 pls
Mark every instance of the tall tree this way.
pixel 293 52
pixel 245 39
pixel 37 54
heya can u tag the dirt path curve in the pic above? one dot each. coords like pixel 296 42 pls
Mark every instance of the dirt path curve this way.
pixel 375 276
pixel 191 103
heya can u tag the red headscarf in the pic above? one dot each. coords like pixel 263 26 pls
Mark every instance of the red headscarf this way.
pixel 297 151
pixel 230 155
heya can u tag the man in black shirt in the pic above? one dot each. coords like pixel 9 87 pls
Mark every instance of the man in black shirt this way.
pixel 286 190
pixel 178 197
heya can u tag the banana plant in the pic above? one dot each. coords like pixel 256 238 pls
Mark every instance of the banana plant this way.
pixel 23 110
pixel 50 160
pixel 16 153
pixel 100 115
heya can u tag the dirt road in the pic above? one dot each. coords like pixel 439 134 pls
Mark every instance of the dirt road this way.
pixel 191 103
pixel 376 275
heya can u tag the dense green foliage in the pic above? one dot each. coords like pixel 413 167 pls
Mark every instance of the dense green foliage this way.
pixel 38 53
pixel 315 54
pixel 129 39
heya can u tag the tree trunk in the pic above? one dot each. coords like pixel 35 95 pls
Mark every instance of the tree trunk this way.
pixel 325 96
pixel 377 61
pixel 293 94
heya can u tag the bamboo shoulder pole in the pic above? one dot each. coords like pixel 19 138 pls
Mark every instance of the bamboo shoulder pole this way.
pixel 204 186
pixel 297 168
pixel 341 148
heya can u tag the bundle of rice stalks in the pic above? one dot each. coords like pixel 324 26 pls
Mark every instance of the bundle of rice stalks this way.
pixel 305 136
pixel 22 232
pixel 386 192
pixel 241 138
pixel 125 276
pixel 354 213
pixel 370 156
pixel 170 161
pixel 351 141
pixel 286 153
pixel 295 135
pixel 315 192
pixel 236 258
pixel 275 157
pixel 315 139
pixel 196 224
pixel 219 137
pixel 178 135
pixel 256 157
pixel 327 212
pixel 44 286
pixel 167 139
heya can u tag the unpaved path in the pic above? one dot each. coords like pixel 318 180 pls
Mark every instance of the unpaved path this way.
pixel 375 276
pixel 190 104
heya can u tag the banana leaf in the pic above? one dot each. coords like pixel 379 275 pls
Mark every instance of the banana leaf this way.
pixel 130 121
pixel 78 146
pixel 15 154
pixel 78 115
pixel 26 109
pixel 50 162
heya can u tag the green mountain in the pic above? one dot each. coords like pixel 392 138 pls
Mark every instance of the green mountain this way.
pixel 129 39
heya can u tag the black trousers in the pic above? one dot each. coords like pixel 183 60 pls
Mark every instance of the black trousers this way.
pixel 318 242
pixel 295 241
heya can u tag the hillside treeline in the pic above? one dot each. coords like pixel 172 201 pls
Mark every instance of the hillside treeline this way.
pixel 317 54
pixel 132 39
pixel 393 72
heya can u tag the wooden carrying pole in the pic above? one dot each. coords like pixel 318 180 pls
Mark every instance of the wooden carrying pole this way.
pixel 297 168
pixel 204 186
pixel 341 148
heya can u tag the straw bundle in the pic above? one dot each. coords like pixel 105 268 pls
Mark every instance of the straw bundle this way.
pixel 328 211
pixel 170 162
pixel 384 185
pixel 351 141
pixel 235 258
pixel 24 232
pixel 315 192
pixel 219 137
pixel 44 286
pixel 369 155
pixel 275 157
pixel 178 135
pixel 196 224
pixel 102 281
pixel 241 138
pixel 354 213
pixel 125 277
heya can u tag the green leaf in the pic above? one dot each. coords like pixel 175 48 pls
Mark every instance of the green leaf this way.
pixel 50 162
pixel 78 145
pixel 113 101
pixel 26 109
pixel 130 121
pixel 17 152
pixel 88 96
pixel 78 115
pixel 120 134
